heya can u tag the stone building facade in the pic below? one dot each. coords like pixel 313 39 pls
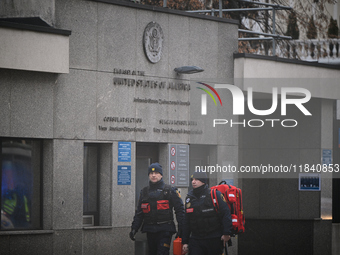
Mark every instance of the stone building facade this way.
pixel 90 97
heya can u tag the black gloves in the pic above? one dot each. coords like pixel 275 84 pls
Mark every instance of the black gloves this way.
pixel 132 234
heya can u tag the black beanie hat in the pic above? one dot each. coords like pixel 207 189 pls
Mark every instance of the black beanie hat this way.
pixel 201 176
pixel 155 167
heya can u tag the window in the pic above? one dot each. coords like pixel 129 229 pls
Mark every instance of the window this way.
pixel 20 183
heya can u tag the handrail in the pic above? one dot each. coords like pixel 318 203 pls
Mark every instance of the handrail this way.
pixel 272 7
pixel 324 51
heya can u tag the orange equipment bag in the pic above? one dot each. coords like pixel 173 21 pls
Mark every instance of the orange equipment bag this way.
pixel 233 197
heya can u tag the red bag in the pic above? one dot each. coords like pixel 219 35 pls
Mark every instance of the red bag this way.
pixel 163 205
pixel 177 247
pixel 145 207
pixel 233 197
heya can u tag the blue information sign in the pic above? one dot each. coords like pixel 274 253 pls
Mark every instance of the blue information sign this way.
pixel 309 182
pixel 124 175
pixel 326 157
pixel 124 151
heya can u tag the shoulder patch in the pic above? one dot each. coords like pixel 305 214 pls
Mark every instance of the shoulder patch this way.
pixel 223 198
pixel 178 194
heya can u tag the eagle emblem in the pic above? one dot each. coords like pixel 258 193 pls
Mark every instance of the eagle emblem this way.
pixel 153 42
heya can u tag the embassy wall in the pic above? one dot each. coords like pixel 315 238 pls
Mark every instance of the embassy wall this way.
pixel 112 93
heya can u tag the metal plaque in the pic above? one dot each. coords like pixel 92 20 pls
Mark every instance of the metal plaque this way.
pixel 179 165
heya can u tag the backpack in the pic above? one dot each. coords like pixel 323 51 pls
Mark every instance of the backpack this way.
pixel 233 197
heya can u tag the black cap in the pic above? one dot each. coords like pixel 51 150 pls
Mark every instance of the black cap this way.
pixel 155 167
pixel 201 176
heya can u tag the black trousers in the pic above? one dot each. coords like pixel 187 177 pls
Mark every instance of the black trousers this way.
pixel 159 243
pixel 209 246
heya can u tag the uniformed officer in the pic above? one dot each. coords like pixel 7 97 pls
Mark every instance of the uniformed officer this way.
pixel 155 211
pixel 206 228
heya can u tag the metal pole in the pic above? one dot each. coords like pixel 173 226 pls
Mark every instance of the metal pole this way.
pixel 220 7
pixel 274 43
pixel 256 39
pixel 268 4
pixel 236 10
pixel 164 3
pixel 248 9
pixel 265 34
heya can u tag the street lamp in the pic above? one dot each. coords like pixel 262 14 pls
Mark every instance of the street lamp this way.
pixel 188 69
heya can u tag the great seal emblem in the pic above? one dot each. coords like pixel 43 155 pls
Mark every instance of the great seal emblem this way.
pixel 153 42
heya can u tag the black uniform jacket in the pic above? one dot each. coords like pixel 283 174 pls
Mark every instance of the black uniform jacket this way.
pixel 156 192
pixel 201 219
